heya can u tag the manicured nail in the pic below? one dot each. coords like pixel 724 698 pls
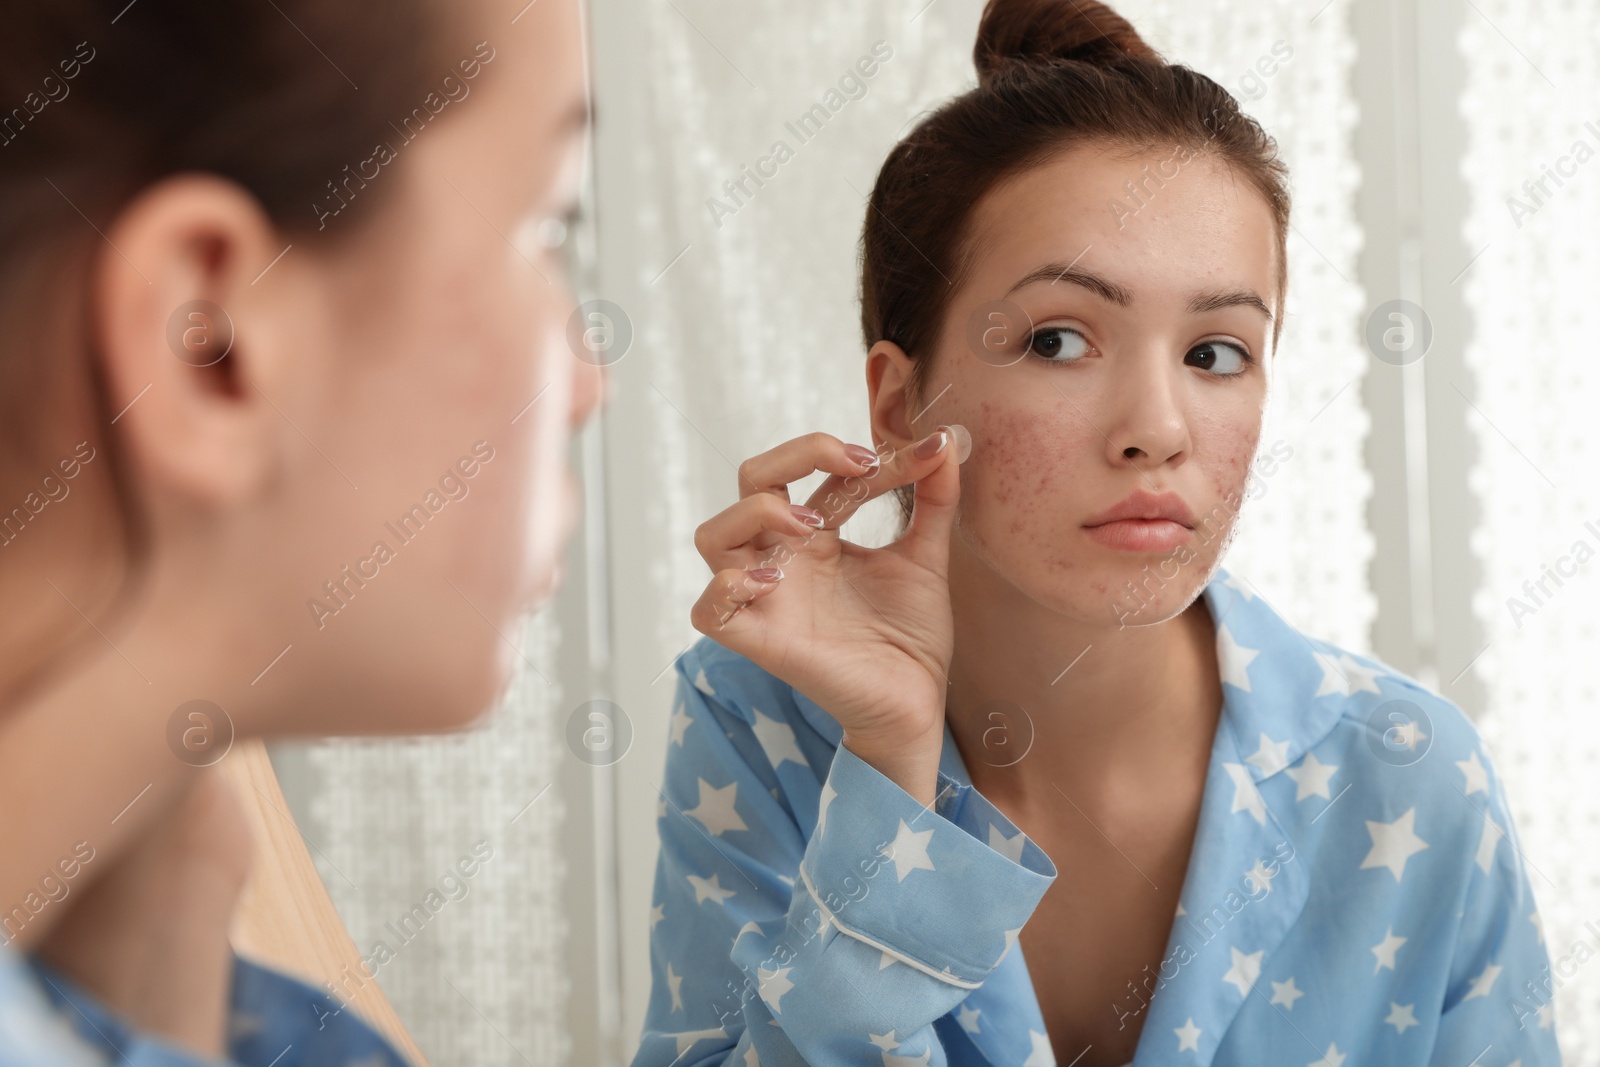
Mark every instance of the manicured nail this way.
pixel 807 515
pixel 765 575
pixel 963 441
pixel 863 455
pixel 931 445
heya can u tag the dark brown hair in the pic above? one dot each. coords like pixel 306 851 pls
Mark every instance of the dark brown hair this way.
pixel 99 100
pixel 1051 74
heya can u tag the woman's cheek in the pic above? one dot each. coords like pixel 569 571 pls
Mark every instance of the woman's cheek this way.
pixel 1020 479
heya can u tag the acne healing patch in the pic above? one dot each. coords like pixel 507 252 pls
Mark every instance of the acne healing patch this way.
pixel 961 439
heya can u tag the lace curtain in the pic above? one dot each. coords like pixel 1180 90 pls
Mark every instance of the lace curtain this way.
pixel 1534 220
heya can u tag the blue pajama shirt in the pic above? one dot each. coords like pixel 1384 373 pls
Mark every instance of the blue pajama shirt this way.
pixel 47 1020
pixel 1355 895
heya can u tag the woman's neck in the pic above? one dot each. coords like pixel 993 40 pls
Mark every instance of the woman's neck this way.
pixel 1042 705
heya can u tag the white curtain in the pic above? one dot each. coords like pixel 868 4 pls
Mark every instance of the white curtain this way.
pixel 1530 106
pixel 477 971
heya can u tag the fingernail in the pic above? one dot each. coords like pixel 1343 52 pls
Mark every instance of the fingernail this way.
pixel 929 446
pixel 963 441
pixel 807 515
pixel 765 574
pixel 863 455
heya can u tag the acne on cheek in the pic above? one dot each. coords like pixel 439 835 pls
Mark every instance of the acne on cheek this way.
pixel 1022 467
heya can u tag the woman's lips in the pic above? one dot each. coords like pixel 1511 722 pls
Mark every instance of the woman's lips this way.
pixel 1140 535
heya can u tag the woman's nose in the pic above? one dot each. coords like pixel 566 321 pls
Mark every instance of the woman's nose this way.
pixel 1149 427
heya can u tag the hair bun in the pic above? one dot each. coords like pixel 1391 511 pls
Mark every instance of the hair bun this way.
pixel 1039 31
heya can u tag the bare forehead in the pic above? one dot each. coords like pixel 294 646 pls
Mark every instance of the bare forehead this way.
pixel 1163 208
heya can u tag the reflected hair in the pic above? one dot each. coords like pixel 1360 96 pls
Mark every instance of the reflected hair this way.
pixel 1052 74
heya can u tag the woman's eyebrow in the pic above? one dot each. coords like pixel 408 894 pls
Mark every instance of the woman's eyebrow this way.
pixel 1066 272
pixel 1217 299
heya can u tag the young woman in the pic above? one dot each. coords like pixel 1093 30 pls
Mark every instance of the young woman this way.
pixel 275 280
pixel 1041 781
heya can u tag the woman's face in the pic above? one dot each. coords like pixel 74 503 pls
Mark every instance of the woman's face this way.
pixel 413 389
pixel 1146 370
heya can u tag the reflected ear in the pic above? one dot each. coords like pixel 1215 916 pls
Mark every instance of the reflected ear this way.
pixel 889 374
pixel 180 307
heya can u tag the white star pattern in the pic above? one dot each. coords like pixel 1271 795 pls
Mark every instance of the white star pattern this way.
pixel 680 725
pixel 909 850
pixel 1041 1055
pixel 1286 993
pixel 1260 878
pixel 828 794
pixel 1393 843
pixel 716 808
pixel 1234 659
pixel 1271 756
pixel 772 985
pixel 1386 949
pixel 1245 970
pixel 1280 717
pixel 1009 847
pixel 1246 797
pixel 1332 1058
pixel 1402 1016
pixel 1311 777
pixel 1487 841
pixel 777 741
pixel 1484 982
pixel 1476 774
pixel 675 987
pixel 1345 677
pixel 709 889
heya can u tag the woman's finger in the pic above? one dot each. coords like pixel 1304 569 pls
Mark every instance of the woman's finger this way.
pixel 720 614
pixel 772 471
pixel 719 538
pixel 839 497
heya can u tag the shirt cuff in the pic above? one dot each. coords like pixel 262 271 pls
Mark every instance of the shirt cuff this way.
pixel 944 890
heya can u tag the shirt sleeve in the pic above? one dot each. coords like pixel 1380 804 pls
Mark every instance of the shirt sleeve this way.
pixel 770 947
pixel 1499 993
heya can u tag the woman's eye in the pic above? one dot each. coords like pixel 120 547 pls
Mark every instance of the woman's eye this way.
pixel 1219 357
pixel 1057 344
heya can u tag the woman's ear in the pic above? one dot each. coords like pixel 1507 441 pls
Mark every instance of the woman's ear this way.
pixel 889 374
pixel 181 307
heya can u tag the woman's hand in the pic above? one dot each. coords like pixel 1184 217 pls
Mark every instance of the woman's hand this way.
pixel 865 633
pixel 150 938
